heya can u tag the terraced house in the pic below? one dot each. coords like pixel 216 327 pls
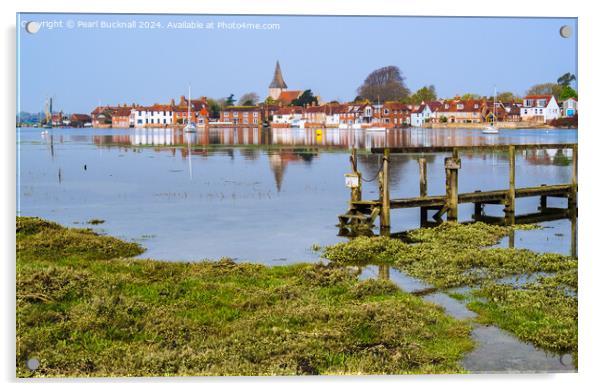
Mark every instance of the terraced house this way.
pixel 459 111
pixel 241 115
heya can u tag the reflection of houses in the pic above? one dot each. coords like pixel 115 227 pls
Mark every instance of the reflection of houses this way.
pixel 540 108
pixel 280 160
pixel 569 107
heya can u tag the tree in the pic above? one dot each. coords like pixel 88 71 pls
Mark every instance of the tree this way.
pixel 545 89
pixel 470 96
pixel 567 92
pixel 384 84
pixel 214 107
pixel 229 101
pixel 248 99
pixel 270 101
pixel 506 97
pixel 306 98
pixel 566 79
pixel 424 94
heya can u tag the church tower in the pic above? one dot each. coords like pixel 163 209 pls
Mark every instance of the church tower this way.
pixel 277 85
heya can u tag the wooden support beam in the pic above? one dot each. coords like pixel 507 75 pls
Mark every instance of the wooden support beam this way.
pixel 356 192
pixel 385 212
pixel 543 203
pixel 511 197
pixel 423 190
pixel 452 165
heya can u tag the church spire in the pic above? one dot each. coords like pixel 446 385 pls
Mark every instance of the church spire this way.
pixel 278 80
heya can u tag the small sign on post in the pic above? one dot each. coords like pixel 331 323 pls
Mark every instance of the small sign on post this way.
pixel 352 180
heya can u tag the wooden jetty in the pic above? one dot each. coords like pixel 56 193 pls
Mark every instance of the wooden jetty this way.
pixel 363 213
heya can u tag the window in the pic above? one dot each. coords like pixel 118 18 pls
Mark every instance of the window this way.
pixel 460 106
pixel 226 114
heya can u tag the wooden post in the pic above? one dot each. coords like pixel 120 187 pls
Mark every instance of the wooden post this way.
pixel 511 197
pixel 385 211
pixel 452 165
pixel 423 190
pixel 573 195
pixel 543 203
pixel 356 192
pixel 573 235
pixel 511 239
pixel 478 211
pixel 384 272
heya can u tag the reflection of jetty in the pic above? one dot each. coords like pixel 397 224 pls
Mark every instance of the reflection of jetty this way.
pixel 363 213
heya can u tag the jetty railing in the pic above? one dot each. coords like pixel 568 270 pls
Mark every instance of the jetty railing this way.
pixel 365 212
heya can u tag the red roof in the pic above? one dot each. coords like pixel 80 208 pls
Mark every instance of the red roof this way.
pixel 286 97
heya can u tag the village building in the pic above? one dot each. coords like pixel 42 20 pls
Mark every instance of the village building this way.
pixel 422 114
pixel 101 116
pixel 123 117
pixel 80 120
pixel 459 111
pixel 540 108
pixel 199 111
pixel 395 113
pixel 287 116
pixel 278 90
pixel 241 115
pixel 157 115
pixel 569 107
pixel 356 115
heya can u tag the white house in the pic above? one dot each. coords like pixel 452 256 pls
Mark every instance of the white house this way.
pixel 569 107
pixel 540 108
pixel 419 116
pixel 156 115
pixel 287 116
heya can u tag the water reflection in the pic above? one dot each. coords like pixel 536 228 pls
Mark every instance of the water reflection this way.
pixel 327 137
pixel 254 194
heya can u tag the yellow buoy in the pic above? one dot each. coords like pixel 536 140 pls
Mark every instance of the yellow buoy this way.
pixel 318 132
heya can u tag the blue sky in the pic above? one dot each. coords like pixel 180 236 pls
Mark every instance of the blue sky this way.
pixel 80 67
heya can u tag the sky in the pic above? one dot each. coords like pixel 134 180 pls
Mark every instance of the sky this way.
pixel 81 60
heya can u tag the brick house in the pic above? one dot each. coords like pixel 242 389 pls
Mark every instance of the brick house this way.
pixel 242 115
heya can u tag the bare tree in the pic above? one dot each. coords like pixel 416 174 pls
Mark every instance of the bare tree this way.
pixel 384 84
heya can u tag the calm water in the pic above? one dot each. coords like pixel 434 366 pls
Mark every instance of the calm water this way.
pixel 258 195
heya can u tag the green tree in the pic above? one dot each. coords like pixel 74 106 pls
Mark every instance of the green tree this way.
pixel 306 98
pixel 229 101
pixel 214 107
pixel 567 92
pixel 424 94
pixel 469 96
pixel 545 89
pixel 507 97
pixel 384 84
pixel 269 101
pixel 566 79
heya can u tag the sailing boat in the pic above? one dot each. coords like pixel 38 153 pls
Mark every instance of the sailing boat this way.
pixel 190 126
pixel 492 129
pixel 48 112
